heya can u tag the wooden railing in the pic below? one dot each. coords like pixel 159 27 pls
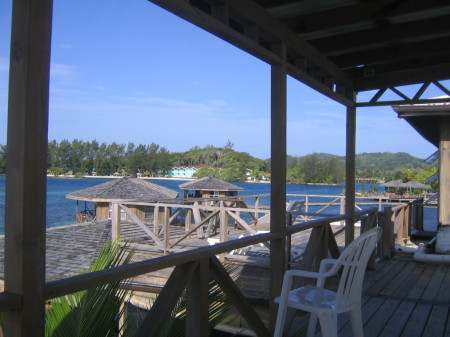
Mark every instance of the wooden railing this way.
pixel 398 222
pixel 192 269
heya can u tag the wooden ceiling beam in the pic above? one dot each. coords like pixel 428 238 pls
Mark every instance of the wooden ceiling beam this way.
pixel 393 53
pixel 250 28
pixel 405 77
pixel 363 15
pixel 384 36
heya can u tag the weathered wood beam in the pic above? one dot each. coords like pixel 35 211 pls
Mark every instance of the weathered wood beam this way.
pixel 278 183
pixel 165 302
pixel 394 52
pixel 257 25
pixel 383 36
pixel 236 297
pixel 404 77
pixel 444 172
pixel 25 200
pixel 350 174
pixel 197 305
pixel 327 22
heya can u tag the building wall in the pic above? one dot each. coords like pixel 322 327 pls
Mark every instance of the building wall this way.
pixel 182 172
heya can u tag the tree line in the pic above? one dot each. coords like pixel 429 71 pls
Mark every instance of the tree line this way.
pixel 81 158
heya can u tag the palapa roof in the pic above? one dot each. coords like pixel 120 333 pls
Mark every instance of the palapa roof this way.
pixel 130 189
pixel 209 184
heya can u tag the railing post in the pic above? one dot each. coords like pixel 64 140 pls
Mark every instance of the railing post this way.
pixel 342 209
pixel 166 230
pixel 387 236
pixel 188 220
pixel 156 220
pixel 223 227
pixel 115 230
pixel 197 301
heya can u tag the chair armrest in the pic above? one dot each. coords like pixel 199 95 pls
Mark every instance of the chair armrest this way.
pixel 303 273
pixel 325 265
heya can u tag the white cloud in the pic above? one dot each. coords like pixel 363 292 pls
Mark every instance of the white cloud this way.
pixel 63 73
pixel 4 64
pixel 65 46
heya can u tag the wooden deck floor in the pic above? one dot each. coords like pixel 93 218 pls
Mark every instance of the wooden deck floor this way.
pixel 402 298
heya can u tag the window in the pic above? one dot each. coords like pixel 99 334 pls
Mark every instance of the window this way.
pixel 149 212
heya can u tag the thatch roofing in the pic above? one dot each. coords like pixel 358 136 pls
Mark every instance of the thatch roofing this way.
pixel 209 184
pixel 414 184
pixel 393 183
pixel 129 189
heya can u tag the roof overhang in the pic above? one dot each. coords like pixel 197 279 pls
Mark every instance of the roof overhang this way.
pixel 337 47
pixel 425 118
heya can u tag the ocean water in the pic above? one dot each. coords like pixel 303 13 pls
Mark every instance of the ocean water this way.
pixel 61 211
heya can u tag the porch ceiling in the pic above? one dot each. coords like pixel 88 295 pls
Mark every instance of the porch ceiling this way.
pixel 335 46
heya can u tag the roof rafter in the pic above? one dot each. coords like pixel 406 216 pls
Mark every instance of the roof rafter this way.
pixel 249 27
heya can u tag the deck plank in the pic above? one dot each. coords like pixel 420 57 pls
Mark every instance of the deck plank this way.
pixel 398 280
pixel 432 290
pixel 380 319
pixel 417 321
pixel 436 322
pixel 397 321
pixel 420 286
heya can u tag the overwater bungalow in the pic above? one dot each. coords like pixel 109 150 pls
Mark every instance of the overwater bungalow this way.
pixel 352 52
pixel 125 190
pixel 209 187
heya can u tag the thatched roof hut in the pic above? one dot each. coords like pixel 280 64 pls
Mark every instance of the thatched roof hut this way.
pixel 120 190
pixel 209 187
pixel 124 189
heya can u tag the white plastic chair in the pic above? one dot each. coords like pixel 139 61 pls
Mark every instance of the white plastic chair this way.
pixel 326 304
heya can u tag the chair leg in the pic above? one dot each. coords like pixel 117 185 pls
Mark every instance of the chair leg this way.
pixel 356 321
pixel 281 318
pixel 312 325
pixel 328 324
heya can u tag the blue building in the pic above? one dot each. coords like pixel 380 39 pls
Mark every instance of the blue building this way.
pixel 182 172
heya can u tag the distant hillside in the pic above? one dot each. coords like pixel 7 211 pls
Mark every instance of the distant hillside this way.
pixel 388 161
pixel 377 161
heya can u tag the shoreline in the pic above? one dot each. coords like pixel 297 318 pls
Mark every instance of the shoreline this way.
pixel 146 178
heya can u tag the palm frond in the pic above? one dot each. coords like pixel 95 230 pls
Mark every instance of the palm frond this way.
pixel 94 312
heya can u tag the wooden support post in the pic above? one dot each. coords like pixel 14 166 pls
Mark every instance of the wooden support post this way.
pixel 156 220
pixel 256 208
pixel 350 174
pixel 387 236
pixel 25 201
pixel 444 172
pixel 443 236
pixel 188 220
pixel 223 227
pixel 278 184
pixel 166 229
pixel 342 209
pixel 116 215
pixel 197 306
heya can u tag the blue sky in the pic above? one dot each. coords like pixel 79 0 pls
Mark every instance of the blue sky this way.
pixel 132 72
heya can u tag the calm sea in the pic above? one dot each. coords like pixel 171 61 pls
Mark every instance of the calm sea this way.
pixel 61 211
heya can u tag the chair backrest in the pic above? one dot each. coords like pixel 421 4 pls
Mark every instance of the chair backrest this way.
pixel 353 261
